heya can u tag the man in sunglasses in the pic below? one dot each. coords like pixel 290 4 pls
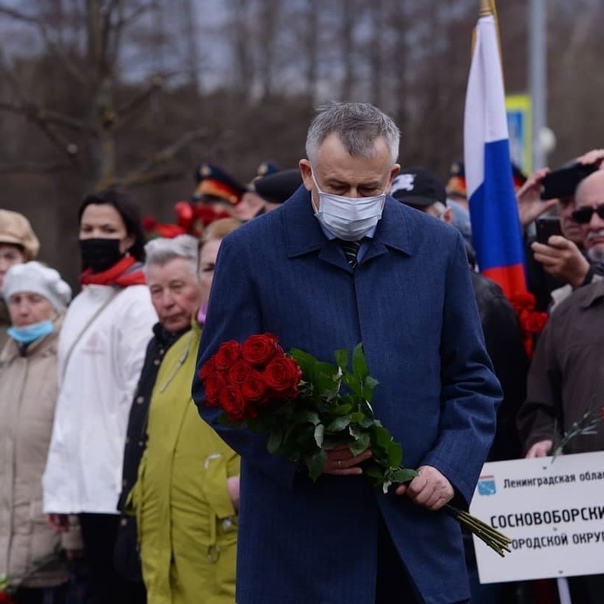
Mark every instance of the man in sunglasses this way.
pixel 565 378
pixel 569 258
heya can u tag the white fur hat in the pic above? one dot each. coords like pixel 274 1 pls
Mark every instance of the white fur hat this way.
pixel 36 278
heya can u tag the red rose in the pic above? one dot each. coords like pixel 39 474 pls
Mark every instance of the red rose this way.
pixel 522 300
pixel 260 349
pixel 149 223
pixel 237 373
pixel 233 403
pixel 214 384
pixel 534 322
pixel 282 376
pixel 253 387
pixel 208 367
pixel 169 231
pixel 227 354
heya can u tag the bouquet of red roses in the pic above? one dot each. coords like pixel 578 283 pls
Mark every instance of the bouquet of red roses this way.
pixel 307 407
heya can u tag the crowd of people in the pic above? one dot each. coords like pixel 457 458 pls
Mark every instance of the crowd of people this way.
pixel 121 485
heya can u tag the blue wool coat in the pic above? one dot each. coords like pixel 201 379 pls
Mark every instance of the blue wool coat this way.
pixel 411 303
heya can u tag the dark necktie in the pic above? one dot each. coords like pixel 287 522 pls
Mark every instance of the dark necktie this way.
pixel 351 249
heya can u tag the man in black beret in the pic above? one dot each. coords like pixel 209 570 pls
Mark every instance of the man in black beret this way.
pixel 268 193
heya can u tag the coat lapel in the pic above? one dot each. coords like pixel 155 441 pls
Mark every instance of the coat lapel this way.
pixel 303 233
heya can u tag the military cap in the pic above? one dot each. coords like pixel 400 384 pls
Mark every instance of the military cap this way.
pixel 456 185
pixel 278 187
pixel 215 184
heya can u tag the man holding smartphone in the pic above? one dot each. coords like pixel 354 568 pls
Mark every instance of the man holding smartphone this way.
pixel 561 256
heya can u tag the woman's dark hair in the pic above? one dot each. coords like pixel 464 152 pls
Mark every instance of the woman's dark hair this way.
pixel 127 209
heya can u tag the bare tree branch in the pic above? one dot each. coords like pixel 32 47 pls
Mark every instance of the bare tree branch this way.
pixel 122 22
pixel 34 113
pixel 56 50
pixel 165 175
pixel 139 99
pixel 40 22
pixel 136 14
pixel 162 157
pixel 65 120
pixel 33 116
pixel 18 15
pixel 34 168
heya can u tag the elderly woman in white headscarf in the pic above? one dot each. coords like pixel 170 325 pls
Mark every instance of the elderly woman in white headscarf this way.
pixel 37 298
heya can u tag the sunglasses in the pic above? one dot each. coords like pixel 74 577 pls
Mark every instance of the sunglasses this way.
pixel 583 215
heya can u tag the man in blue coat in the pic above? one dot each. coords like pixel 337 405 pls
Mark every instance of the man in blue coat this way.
pixel 339 263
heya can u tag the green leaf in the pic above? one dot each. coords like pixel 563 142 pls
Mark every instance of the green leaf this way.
pixel 332 441
pixel 327 369
pixel 305 360
pixel 368 386
pixel 395 454
pixel 366 422
pixel 375 473
pixel 312 417
pixel 275 438
pixel 381 436
pixel 315 464
pixel 343 409
pixel 367 409
pixel 338 424
pixel 401 475
pixel 319 433
pixel 370 382
pixel 353 383
pixel 360 444
pixel 342 358
pixel 359 364
pixel 305 439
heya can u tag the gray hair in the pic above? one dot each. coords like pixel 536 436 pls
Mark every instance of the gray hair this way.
pixel 358 126
pixel 160 251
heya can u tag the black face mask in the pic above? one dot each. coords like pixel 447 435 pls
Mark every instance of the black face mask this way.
pixel 100 254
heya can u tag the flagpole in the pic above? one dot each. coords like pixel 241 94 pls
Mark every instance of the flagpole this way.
pixel 538 78
pixel 486 8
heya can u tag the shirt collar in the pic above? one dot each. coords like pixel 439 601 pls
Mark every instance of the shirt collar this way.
pixel 595 293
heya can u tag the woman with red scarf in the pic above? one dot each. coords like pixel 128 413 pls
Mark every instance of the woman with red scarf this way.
pixel 101 351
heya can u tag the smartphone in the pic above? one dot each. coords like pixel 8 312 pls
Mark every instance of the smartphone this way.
pixel 546 227
pixel 563 181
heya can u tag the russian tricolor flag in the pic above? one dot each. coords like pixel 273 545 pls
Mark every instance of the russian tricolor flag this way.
pixel 496 230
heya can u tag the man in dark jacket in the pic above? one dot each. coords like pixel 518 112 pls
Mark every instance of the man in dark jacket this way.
pixel 423 190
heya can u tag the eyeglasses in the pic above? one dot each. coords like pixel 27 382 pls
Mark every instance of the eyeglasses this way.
pixel 583 215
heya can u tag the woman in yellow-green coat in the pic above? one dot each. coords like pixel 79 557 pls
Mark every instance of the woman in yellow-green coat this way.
pixel 187 492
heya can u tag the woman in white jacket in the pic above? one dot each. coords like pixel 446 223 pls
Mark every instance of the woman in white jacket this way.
pixel 101 351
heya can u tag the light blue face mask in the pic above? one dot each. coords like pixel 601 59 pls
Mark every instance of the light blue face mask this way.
pixel 30 333
pixel 349 218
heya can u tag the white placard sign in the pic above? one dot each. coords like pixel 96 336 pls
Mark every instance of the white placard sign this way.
pixel 553 511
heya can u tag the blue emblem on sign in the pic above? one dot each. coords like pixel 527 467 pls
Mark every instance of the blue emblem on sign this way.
pixel 486 485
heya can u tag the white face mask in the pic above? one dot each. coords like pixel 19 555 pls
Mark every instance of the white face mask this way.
pixel 349 218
